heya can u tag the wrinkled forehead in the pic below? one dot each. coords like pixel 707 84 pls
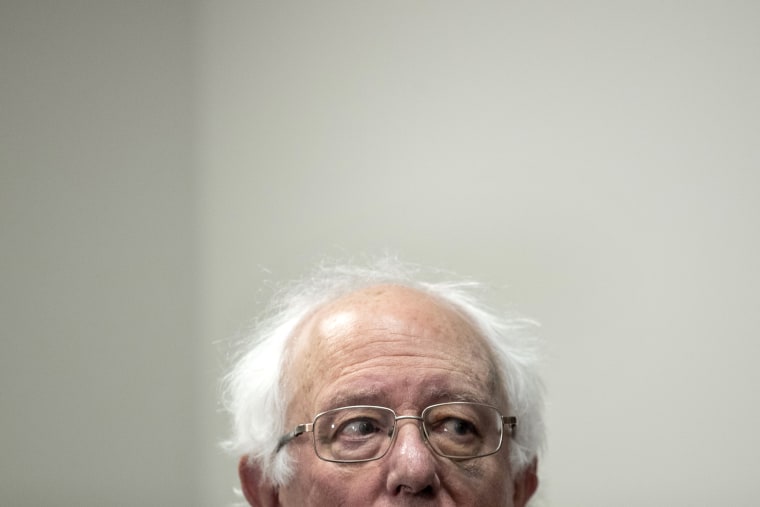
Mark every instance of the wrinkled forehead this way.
pixel 386 325
pixel 365 316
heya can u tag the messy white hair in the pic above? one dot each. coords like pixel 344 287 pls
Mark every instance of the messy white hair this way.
pixel 253 388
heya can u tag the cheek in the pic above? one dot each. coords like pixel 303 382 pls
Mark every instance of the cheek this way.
pixel 482 482
pixel 318 483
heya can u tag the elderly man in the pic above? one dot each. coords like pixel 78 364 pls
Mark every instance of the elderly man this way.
pixel 368 387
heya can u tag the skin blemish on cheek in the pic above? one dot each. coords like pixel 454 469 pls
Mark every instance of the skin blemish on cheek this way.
pixel 471 468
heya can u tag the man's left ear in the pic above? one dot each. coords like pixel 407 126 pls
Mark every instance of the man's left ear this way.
pixel 526 483
pixel 259 491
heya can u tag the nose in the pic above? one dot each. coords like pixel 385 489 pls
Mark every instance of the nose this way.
pixel 413 466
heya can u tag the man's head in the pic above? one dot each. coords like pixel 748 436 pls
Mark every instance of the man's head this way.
pixel 376 338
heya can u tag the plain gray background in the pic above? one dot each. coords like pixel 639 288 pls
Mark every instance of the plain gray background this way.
pixel 163 162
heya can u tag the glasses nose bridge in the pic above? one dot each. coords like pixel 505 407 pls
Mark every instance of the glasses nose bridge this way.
pixel 418 418
pixel 412 417
pixel 415 417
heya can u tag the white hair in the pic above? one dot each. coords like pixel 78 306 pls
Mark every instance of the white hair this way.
pixel 253 388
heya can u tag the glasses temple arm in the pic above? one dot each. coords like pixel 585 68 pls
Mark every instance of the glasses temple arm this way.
pixel 510 422
pixel 287 437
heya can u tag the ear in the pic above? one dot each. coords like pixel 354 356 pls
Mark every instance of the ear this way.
pixel 259 491
pixel 526 483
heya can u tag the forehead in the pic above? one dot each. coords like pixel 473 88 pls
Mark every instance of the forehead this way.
pixel 388 345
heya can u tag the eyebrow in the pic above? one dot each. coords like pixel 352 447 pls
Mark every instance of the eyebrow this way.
pixel 443 395
pixel 369 395
pixel 375 395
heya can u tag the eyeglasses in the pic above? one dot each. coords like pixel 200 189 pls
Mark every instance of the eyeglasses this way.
pixel 457 430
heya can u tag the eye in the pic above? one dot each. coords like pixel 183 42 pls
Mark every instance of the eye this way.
pixel 346 431
pixel 456 427
pixel 359 427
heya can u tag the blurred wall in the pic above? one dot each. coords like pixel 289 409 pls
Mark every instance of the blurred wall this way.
pixel 164 162
pixel 99 352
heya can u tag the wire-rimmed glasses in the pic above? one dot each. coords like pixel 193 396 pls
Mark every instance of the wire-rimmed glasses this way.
pixel 457 430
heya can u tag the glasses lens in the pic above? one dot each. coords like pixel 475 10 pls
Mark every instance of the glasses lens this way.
pixel 353 433
pixel 463 430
